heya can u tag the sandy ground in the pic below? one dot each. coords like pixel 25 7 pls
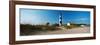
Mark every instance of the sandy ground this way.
pixel 67 31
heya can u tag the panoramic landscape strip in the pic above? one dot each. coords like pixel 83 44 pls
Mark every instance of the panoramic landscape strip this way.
pixel 46 22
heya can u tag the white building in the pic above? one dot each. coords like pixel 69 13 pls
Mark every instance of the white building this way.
pixel 68 24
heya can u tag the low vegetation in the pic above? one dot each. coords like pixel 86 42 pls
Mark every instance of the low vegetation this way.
pixel 27 29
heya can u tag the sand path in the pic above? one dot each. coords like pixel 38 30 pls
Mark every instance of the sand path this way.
pixel 67 31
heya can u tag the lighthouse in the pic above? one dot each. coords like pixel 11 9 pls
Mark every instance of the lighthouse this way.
pixel 60 19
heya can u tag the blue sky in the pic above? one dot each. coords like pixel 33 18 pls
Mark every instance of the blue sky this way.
pixel 79 17
pixel 40 16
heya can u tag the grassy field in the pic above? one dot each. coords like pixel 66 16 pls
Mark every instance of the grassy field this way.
pixel 27 29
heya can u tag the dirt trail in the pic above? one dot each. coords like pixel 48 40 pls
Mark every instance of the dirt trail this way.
pixel 67 31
